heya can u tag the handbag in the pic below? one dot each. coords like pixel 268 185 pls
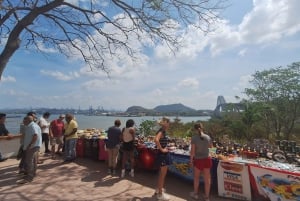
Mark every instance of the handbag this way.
pixel 20 153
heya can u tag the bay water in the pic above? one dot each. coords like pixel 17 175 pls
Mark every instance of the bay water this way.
pixel 98 122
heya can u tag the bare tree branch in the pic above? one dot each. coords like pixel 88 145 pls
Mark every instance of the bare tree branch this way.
pixel 27 23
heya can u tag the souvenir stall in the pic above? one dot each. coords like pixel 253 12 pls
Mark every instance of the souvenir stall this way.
pixel 275 181
pixel 231 172
pixel 180 166
pixel 233 180
pixel 257 174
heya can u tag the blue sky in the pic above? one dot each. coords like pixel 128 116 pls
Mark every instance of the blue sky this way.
pixel 253 35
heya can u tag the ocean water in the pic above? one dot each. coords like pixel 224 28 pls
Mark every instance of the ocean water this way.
pixel 98 122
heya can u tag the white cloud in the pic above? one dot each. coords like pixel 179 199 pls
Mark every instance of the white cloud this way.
pixel 206 66
pixel 242 52
pixel 41 46
pixel 14 93
pixel 60 75
pixel 8 79
pixel 270 20
pixel 189 82
pixel 243 83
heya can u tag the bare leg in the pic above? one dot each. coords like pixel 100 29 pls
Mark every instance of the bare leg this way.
pixel 124 159
pixel 161 178
pixel 196 180
pixel 207 182
pixel 53 151
pixel 132 160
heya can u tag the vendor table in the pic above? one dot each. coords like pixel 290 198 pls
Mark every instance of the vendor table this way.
pixel 181 167
pixel 275 183
pixel 180 164
pixel 233 180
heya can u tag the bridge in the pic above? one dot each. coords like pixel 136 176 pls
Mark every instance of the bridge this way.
pixel 222 107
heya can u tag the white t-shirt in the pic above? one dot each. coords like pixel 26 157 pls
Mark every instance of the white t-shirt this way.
pixel 43 122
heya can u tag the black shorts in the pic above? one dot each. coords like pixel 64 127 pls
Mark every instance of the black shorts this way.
pixel 163 159
pixel 128 146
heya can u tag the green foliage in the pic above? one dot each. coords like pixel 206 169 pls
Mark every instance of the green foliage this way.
pixel 272 111
pixel 147 128
pixel 278 90
pixel 177 129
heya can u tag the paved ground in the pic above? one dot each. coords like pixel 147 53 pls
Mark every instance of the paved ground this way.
pixel 86 179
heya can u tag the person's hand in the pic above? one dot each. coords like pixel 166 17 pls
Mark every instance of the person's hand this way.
pixel 9 136
pixel 164 150
pixel 191 164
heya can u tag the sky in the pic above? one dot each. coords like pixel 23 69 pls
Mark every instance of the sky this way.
pixel 253 35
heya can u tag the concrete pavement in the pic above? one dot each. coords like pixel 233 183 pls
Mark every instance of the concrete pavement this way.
pixel 86 179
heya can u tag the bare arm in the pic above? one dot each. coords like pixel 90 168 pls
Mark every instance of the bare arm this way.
pixel 192 153
pixel 33 140
pixel 73 131
pixel 158 145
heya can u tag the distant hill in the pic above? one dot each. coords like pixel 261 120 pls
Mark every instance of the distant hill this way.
pixel 137 109
pixel 170 110
pixel 161 110
pixel 173 108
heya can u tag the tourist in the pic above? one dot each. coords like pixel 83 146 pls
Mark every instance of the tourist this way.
pixel 44 124
pixel 22 159
pixel 31 145
pixel 34 116
pixel 200 160
pixel 114 136
pixel 4 133
pixel 56 132
pixel 71 137
pixel 163 158
pixel 128 137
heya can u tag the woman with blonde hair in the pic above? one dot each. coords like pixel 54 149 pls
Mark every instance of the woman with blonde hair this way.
pixel 161 140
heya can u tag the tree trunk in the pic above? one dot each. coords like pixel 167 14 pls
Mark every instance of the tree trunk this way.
pixel 7 53
pixel 13 42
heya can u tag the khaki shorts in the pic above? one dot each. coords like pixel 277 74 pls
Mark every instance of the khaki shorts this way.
pixel 56 140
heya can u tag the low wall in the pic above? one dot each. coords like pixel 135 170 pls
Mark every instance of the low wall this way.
pixel 9 146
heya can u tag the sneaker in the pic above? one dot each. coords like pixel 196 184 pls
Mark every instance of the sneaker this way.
pixel 132 173
pixel 163 196
pixel 21 171
pixel 157 191
pixel 194 195
pixel 23 181
pixel 206 199
pixel 123 173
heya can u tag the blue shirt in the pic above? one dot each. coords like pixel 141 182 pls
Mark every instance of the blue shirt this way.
pixel 31 130
pixel 113 137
